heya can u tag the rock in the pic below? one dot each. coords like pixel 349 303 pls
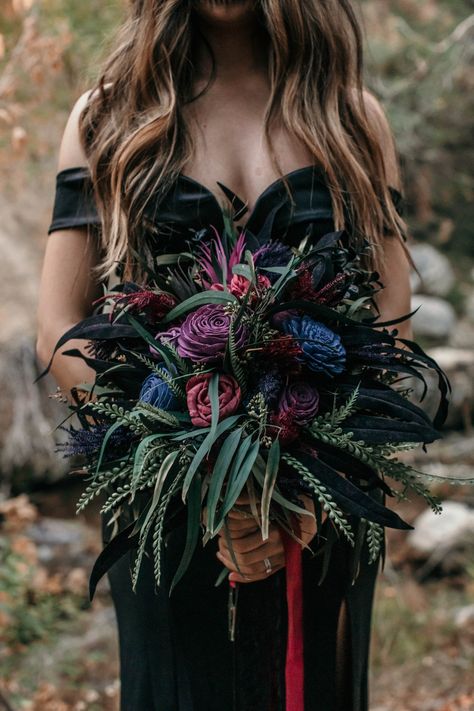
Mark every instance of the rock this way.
pixel 64 544
pixel 458 364
pixel 434 531
pixel 463 615
pixel 436 274
pixel 435 318
pixel 462 336
pixel 469 307
pixel 444 541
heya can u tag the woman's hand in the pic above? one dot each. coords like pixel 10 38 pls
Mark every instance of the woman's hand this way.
pixel 249 548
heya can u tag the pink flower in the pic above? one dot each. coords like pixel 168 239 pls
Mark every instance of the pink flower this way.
pixel 197 397
pixel 239 284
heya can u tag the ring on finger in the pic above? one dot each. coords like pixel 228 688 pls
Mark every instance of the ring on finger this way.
pixel 268 565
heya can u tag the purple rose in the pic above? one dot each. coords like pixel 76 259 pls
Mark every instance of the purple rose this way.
pixel 170 336
pixel 204 333
pixel 300 399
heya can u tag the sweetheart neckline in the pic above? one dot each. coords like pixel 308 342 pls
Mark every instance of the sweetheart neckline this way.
pixel 314 167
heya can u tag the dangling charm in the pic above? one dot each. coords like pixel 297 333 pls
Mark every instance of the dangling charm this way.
pixel 232 608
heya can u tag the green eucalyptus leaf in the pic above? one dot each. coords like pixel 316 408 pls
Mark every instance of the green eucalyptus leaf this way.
pixel 204 297
pixel 139 458
pixel 166 353
pixel 167 466
pixel 105 441
pixel 221 467
pixel 271 471
pixel 242 270
pixel 204 449
pixel 239 475
pixel 192 530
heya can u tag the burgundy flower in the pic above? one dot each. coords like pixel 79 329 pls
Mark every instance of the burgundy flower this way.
pixel 301 399
pixel 302 287
pixel 288 429
pixel 154 305
pixel 285 351
pixel 199 404
pixel 204 333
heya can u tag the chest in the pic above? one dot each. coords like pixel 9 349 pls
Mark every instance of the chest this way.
pixel 227 129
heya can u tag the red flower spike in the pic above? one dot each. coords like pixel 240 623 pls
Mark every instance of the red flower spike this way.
pixel 154 305
pixel 302 287
pixel 333 290
pixel 282 348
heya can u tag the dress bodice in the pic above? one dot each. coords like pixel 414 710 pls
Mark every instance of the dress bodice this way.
pixel 189 208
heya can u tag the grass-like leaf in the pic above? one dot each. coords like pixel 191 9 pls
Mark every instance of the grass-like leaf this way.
pixel 204 297
pixel 271 471
pixel 192 530
pixel 221 467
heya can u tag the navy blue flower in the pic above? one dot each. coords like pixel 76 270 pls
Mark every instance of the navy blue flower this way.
pixel 322 350
pixel 158 393
pixel 272 254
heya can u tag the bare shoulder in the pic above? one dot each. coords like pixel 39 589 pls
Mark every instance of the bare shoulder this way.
pixel 71 151
pixel 381 126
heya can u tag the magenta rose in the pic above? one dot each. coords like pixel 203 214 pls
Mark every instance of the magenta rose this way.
pixel 197 397
pixel 301 400
pixel 203 334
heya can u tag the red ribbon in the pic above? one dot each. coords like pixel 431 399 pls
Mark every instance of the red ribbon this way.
pixel 294 665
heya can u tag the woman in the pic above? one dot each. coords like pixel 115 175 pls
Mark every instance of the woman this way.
pixel 266 97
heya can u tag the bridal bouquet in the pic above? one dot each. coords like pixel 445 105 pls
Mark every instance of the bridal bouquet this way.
pixel 245 365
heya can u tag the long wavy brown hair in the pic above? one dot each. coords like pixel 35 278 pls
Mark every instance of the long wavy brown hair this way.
pixel 137 142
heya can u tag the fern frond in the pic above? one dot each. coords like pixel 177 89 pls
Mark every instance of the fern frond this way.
pixel 100 483
pixel 156 414
pixel 160 522
pixel 375 535
pixel 171 382
pixel 116 413
pixel 324 497
pixel 236 363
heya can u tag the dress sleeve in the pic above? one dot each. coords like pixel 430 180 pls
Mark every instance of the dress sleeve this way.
pixel 74 204
pixel 399 204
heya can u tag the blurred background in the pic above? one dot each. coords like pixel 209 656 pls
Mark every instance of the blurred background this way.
pixel 56 651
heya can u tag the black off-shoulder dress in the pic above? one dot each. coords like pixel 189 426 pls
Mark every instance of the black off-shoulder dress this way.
pixel 175 653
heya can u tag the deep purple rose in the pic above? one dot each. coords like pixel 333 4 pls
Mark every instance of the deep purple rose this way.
pixel 170 336
pixel 204 333
pixel 301 400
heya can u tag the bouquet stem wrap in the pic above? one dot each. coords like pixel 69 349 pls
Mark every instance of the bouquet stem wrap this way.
pixel 294 665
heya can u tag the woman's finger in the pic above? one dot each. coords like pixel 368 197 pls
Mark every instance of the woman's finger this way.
pixel 236 578
pixel 252 542
pixel 257 568
pixel 237 529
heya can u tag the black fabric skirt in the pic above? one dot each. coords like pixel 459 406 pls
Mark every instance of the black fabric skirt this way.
pixel 175 653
